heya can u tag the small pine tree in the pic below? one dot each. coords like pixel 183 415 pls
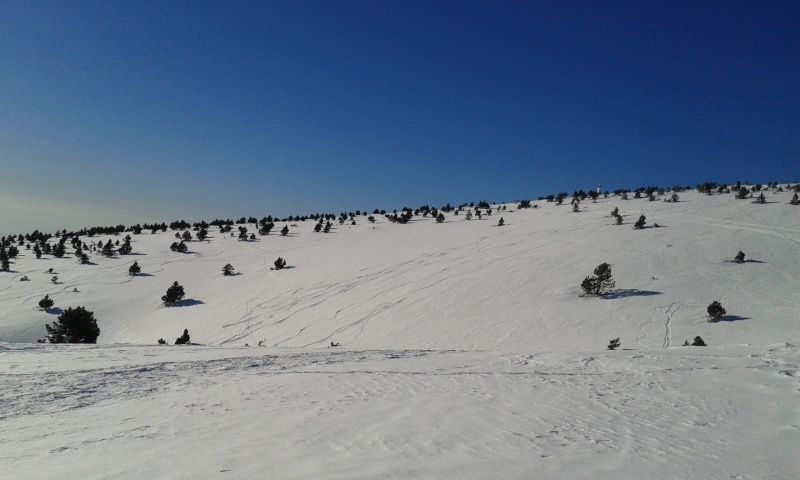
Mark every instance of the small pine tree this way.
pixel 615 212
pixel 134 269
pixel 183 339
pixel 715 311
pixel 440 218
pixel 75 325
pixel 285 230
pixel 601 283
pixel 613 344
pixel 125 249
pixel 174 294
pixel 739 258
pixel 5 265
pixel 619 219
pixel 227 270
pixel 46 303
pixel 795 200
pixel 640 223
pixel 280 264
pixel 698 342
pixel 501 222
pixel 742 193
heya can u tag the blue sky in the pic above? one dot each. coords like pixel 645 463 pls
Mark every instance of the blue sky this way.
pixel 123 112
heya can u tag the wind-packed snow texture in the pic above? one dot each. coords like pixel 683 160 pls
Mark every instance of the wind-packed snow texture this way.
pixel 467 350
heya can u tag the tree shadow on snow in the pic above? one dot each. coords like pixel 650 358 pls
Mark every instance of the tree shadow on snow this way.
pixel 732 318
pixel 630 292
pixel 143 275
pixel 188 303
pixel 54 311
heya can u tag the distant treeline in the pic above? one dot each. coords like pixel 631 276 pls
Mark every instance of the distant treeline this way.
pixel 40 237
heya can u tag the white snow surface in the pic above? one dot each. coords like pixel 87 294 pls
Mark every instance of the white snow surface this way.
pixel 467 351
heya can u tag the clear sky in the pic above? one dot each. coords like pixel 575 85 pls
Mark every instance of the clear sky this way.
pixel 136 111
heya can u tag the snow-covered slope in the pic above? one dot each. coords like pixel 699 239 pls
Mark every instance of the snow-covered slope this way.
pixel 467 351
pixel 453 285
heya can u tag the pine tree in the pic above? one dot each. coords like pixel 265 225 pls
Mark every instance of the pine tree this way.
pixel 640 223
pixel 227 270
pixel 174 294
pixel 715 311
pixel 280 264
pixel 183 339
pixel 285 230
pixel 613 344
pixel 134 269
pixel 75 325
pixel 126 248
pixel 501 222
pixel 601 283
pixel 742 193
pixel 739 258
pixel 46 303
